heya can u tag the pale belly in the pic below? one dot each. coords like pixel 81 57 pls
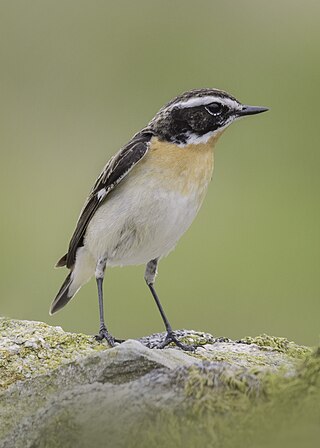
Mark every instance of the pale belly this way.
pixel 152 207
pixel 138 224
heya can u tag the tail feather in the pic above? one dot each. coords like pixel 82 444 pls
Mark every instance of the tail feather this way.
pixel 80 274
pixel 63 297
pixel 62 262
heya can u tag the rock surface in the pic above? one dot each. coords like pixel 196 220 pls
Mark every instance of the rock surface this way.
pixel 67 390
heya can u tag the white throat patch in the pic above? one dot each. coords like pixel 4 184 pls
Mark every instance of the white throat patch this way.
pixel 194 139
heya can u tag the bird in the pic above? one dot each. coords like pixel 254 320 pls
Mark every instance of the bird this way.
pixel 147 196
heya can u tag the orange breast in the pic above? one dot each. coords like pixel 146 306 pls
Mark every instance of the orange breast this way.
pixel 186 169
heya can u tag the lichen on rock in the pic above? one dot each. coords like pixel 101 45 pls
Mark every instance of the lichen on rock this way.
pixel 64 389
pixel 33 348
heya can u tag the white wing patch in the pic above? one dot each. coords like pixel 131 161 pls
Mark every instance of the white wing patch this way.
pixel 101 194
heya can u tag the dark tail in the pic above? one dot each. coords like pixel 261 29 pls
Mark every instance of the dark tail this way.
pixel 62 298
pixel 62 262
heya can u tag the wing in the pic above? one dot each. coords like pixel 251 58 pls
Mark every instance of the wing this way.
pixel 115 170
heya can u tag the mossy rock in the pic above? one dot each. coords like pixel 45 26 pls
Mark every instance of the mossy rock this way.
pixel 67 390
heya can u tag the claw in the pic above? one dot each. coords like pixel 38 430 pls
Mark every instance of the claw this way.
pixel 171 338
pixel 104 334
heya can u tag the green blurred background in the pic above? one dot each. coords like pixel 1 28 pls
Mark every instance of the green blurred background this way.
pixel 78 78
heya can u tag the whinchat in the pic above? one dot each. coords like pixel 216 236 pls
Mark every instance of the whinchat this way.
pixel 148 194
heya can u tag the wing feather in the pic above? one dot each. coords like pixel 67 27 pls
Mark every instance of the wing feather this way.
pixel 115 170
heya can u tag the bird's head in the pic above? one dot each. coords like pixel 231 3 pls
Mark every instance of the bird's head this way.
pixel 196 115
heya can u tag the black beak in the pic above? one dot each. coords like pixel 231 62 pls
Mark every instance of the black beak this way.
pixel 251 110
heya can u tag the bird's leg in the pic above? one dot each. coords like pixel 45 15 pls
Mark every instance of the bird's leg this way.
pixel 149 276
pixel 99 274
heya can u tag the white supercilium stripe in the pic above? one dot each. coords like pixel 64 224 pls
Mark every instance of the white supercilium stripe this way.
pixel 204 100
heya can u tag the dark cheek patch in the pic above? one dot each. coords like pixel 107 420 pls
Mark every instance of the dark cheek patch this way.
pixel 177 126
pixel 202 122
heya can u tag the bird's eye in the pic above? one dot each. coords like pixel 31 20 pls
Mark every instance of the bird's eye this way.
pixel 214 108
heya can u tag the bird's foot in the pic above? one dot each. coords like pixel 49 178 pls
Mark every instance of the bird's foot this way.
pixel 171 338
pixel 104 334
